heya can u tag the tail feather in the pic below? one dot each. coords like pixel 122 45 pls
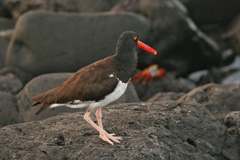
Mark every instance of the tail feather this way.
pixel 49 99
pixel 40 110
pixel 45 99
pixel 73 106
pixel 35 103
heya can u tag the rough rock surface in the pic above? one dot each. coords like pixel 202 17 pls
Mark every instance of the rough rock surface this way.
pixel 218 99
pixel 213 75
pixel 222 101
pixel 5 24
pixel 71 42
pixel 167 131
pixel 48 81
pixel 200 125
pixel 232 121
pixel 10 83
pixel 222 11
pixel 234 34
pixel 8 109
pixel 232 79
pixel 3 49
pixel 225 75
pixel 18 7
pixel 166 84
pixel 165 96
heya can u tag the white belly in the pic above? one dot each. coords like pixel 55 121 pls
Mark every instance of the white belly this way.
pixel 116 94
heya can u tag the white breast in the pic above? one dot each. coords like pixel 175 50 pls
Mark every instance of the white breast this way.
pixel 113 96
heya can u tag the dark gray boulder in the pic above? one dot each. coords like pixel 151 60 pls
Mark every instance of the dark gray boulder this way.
pixel 165 96
pixel 233 34
pixel 213 75
pixel 48 81
pixel 10 83
pixel 18 7
pixel 169 83
pixel 5 26
pixel 232 79
pixel 3 49
pixel 218 99
pixel 222 11
pixel 232 122
pixel 8 109
pixel 72 41
pixel 224 75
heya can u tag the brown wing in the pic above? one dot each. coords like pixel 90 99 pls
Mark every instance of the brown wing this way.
pixel 89 83
pixel 93 83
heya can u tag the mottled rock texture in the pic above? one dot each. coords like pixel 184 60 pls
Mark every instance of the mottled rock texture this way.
pixel 71 42
pixel 186 132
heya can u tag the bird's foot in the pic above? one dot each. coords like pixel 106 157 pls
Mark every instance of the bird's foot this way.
pixel 110 137
pixel 104 135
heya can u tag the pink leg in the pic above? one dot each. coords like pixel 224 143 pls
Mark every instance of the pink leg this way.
pixel 103 134
pixel 100 124
pixel 99 117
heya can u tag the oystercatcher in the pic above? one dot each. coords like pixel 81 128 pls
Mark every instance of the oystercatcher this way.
pixel 98 84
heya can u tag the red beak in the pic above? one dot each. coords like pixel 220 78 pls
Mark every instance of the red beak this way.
pixel 146 48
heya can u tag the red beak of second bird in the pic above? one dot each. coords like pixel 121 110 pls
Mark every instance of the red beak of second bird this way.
pixel 146 48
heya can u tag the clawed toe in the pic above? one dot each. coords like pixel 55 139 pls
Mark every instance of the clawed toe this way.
pixel 114 138
pixel 110 138
pixel 105 138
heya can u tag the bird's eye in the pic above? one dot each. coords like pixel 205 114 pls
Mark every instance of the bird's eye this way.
pixel 135 38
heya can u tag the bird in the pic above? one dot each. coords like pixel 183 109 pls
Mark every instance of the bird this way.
pixel 98 84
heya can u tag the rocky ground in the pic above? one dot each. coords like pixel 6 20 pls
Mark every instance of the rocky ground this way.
pixel 166 127
pixel 191 113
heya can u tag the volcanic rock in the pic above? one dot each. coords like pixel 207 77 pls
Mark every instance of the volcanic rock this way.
pixel 8 109
pixel 186 132
pixel 232 79
pixel 169 83
pixel 3 49
pixel 233 34
pixel 71 42
pixel 10 83
pixel 5 26
pixel 18 7
pixel 202 124
pixel 221 11
pixel 218 99
pixel 232 121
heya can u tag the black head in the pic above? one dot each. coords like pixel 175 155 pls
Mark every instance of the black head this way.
pixel 126 53
pixel 129 41
pixel 126 48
